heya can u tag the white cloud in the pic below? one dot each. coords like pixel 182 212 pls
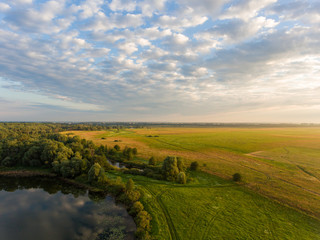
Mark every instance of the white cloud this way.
pixel 149 7
pixel 246 9
pixel 178 23
pixel 204 7
pixel 4 7
pixel 89 8
pixel 305 11
pixel 101 22
pixel 123 5
pixel 128 47
pixel 236 30
pixel 175 59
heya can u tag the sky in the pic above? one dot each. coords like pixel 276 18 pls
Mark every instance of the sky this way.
pixel 160 60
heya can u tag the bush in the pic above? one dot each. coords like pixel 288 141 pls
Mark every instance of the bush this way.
pixel 8 162
pixel 182 178
pixel 194 166
pixel 236 177
pixel 180 164
pixel 143 220
pixel 170 168
pixel 133 196
pixel 136 208
pixel 152 161
pixel 129 185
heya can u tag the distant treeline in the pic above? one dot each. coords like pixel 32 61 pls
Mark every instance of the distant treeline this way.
pixel 49 127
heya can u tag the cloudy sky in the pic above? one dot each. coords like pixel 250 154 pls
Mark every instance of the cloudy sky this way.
pixel 160 60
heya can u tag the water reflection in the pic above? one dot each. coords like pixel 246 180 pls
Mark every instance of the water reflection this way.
pixel 46 209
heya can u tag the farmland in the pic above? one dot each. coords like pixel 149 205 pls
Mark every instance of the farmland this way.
pixel 213 208
pixel 282 164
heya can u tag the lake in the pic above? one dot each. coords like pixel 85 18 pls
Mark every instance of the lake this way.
pixel 40 208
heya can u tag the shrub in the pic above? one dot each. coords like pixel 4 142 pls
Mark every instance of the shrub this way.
pixel 236 177
pixel 8 162
pixel 170 168
pixel 180 164
pixel 136 208
pixel 143 220
pixel 152 161
pixel 129 185
pixel 194 166
pixel 182 178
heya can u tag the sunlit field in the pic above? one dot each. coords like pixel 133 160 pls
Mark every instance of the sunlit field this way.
pixel 280 163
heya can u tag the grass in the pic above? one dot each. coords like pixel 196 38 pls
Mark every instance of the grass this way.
pixel 213 208
pixel 282 164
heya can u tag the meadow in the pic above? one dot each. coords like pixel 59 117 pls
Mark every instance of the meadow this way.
pixel 213 208
pixel 282 164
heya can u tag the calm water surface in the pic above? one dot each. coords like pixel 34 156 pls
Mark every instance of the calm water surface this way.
pixel 45 209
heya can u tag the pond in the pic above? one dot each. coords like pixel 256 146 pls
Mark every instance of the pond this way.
pixel 43 208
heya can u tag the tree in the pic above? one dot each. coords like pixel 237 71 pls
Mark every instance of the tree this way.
pixel 134 151
pixel 136 208
pixel 236 177
pixel 180 164
pixel 66 169
pixel 194 166
pixel 143 220
pixel 56 167
pixel 170 168
pixel 152 161
pixel 94 172
pixel 182 178
pixel 129 186
pixel 8 162
pixel 32 157
pixel 117 147
pixel 49 152
pixel 130 155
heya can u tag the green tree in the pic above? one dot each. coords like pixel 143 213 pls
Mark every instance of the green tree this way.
pixel 236 177
pixel 130 185
pixel 136 208
pixel 94 172
pixel 194 166
pixel 180 164
pixel 49 152
pixel 56 167
pixel 143 220
pixel 8 162
pixel 134 151
pixel 66 169
pixel 182 178
pixel 152 161
pixel 117 147
pixel 170 168
pixel 32 157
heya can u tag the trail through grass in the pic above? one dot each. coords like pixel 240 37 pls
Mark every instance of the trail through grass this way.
pixel 212 208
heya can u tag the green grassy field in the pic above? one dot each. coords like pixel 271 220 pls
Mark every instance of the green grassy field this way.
pixel 213 208
pixel 282 164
